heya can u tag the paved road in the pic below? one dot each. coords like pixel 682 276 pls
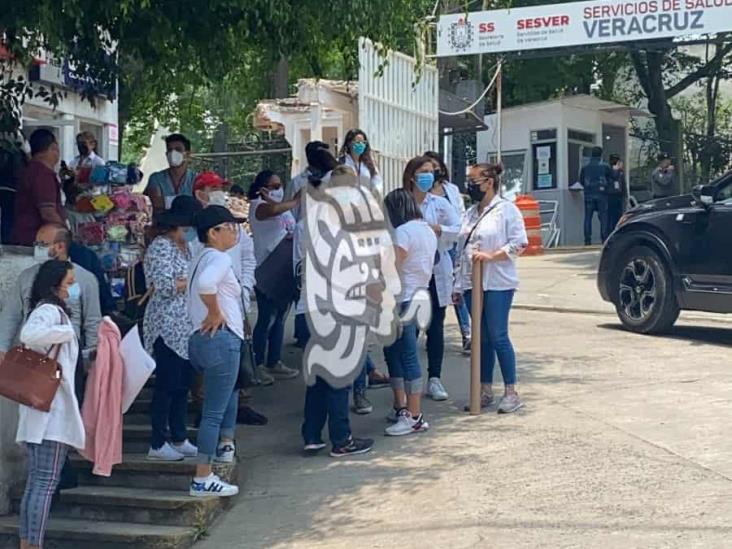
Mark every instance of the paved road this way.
pixel 624 443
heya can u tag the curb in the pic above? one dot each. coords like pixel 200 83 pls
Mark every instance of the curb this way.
pixel 690 316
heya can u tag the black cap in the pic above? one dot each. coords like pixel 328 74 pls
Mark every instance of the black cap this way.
pixel 213 216
pixel 663 156
pixel 181 212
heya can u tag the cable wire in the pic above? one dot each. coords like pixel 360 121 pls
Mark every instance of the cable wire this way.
pixel 482 95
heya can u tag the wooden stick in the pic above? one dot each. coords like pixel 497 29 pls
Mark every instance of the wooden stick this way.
pixel 476 314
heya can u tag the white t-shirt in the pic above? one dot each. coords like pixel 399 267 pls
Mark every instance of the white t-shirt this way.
pixel 419 241
pixel 211 272
pixel 268 233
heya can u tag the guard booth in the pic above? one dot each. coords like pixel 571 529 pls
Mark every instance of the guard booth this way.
pixel 545 145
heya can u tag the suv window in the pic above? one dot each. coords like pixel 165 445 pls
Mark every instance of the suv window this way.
pixel 725 193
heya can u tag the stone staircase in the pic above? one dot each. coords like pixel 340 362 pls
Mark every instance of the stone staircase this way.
pixel 143 505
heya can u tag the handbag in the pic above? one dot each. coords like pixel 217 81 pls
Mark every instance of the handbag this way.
pixel 275 277
pixel 30 378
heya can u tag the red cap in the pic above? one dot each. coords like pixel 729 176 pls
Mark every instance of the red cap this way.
pixel 208 179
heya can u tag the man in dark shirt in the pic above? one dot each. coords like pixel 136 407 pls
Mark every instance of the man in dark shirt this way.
pixel 38 201
pixel 595 178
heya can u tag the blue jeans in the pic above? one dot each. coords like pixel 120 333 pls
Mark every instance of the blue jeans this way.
pixel 325 403
pixel 461 310
pixel 435 334
pixel 169 408
pixel 494 340
pixel 402 359
pixel 359 384
pixel 269 332
pixel 218 358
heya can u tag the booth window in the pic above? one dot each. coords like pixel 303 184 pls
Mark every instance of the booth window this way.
pixel 513 179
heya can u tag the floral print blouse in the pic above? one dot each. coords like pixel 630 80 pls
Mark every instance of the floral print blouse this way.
pixel 166 315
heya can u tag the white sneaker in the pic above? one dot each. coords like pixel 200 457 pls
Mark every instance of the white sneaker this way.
pixel 186 448
pixel 225 452
pixel 406 425
pixel 212 486
pixel 280 371
pixel 264 377
pixel 435 389
pixel 165 453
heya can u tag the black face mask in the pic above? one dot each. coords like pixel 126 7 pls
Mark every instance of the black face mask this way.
pixel 476 195
pixel 83 148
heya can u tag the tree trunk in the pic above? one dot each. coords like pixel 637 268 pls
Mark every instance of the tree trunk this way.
pixel 279 84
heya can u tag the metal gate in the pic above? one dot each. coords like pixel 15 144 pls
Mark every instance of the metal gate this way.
pixel 399 117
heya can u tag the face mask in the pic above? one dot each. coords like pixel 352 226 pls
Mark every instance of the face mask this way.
pixel 41 254
pixel 83 148
pixel 277 194
pixel 424 181
pixel 74 291
pixel 217 198
pixel 476 195
pixel 358 148
pixel 175 158
pixel 191 234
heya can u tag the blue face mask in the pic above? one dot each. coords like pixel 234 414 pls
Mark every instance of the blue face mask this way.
pixel 191 234
pixel 425 181
pixel 358 148
pixel 74 292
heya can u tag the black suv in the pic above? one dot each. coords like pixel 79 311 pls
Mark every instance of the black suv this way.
pixel 671 254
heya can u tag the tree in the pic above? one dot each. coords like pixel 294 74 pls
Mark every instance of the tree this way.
pixel 155 49
pixel 657 71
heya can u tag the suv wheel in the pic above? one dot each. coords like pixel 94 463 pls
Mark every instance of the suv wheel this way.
pixel 645 300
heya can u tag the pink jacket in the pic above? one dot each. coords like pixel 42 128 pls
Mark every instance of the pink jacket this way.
pixel 102 408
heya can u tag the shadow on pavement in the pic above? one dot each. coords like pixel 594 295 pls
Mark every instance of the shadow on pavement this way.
pixel 698 335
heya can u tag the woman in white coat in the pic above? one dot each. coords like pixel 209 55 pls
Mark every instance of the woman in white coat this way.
pixel 418 179
pixel 356 154
pixel 443 187
pixel 48 436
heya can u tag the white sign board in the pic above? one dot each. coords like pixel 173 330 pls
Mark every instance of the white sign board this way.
pixel 579 23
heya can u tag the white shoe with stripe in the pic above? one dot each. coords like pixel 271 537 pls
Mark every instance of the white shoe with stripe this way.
pixel 212 486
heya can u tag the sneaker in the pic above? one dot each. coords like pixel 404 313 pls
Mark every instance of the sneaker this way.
pixel 186 448
pixel 353 447
pixel 435 389
pixel 486 401
pixel 265 377
pixel 466 345
pixel 361 404
pixel 509 404
pixel 280 371
pixel 165 453
pixel 406 425
pixel 313 447
pixel 377 380
pixel 393 415
pixel 225 452
pixel 212 486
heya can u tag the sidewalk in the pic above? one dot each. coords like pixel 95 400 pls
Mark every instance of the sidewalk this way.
pixel 567 283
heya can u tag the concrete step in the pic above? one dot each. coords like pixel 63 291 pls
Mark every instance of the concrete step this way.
pixel 139 413
pixel 136 438
pixel 91 534
pixel 138 472
pixel 138 505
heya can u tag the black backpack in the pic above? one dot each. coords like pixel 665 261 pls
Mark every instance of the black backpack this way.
pixel 137 294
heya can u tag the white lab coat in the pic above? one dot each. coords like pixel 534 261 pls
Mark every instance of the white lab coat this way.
pixel 375 182
pixel 436 210
pixel 63 422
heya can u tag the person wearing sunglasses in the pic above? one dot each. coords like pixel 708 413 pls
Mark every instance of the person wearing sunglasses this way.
pixel 215 309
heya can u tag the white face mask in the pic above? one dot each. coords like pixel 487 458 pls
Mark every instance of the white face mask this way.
pixel 175 158
pixel 217 198
pixel 40 254
pixel 277 194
